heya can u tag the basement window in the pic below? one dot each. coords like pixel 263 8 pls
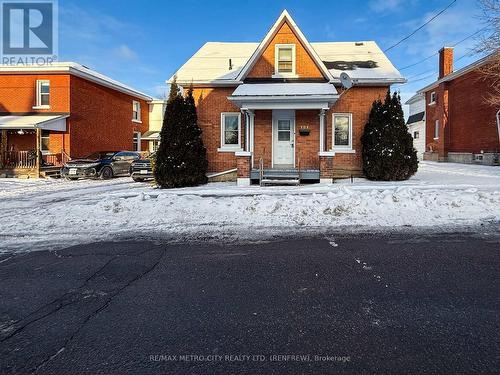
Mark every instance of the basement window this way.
pixel 230 131
pixel 416 135
pixel 284 60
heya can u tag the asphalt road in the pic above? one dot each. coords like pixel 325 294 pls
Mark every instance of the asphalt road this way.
pixel 352 304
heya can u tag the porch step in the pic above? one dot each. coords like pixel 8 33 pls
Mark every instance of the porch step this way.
pixel 267 181
pixel 52 172
pixel 281 176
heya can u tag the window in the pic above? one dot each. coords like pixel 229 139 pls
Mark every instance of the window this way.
pixel 136 111
pixel 432 98
pixel 342 125
pixel 230 130
pixel 284 127
pixel 45 141
pixel 416 135
pixel 436 129
pixel 42 94
pixel 137 141
pixel 154 146
pixel 285 59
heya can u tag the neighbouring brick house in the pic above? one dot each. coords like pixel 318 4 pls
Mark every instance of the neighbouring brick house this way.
pixel 279 103
pixel 65 110
pixel 460 125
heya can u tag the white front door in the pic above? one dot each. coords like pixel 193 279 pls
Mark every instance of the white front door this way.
pixel 283 141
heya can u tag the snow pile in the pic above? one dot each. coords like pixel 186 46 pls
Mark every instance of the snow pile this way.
pixel 59 213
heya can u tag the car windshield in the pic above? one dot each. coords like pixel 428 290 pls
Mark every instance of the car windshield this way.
pixel 100 155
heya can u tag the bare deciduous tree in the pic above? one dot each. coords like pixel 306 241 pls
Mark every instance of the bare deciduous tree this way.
pixel 489 44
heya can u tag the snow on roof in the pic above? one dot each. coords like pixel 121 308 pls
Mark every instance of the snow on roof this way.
pixel 77 70
pixel 362 61
pixel 284 89
pixel 211 62
pixel 415 98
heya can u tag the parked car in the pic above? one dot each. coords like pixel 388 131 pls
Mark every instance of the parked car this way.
pixel 102 164
pixel 141 170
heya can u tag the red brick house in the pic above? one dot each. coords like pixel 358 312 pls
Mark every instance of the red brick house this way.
pixel 460 125
pixel 278 106
pixel 65 110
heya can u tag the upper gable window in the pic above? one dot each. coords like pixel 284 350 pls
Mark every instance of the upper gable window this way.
pixel 284 60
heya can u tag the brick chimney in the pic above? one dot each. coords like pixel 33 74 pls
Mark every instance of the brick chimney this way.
pixel 445 61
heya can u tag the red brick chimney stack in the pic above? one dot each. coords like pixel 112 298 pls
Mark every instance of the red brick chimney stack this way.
pixel 445 61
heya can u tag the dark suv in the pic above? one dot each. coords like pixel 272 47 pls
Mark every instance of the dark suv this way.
pixel 141 170
pixel 102 164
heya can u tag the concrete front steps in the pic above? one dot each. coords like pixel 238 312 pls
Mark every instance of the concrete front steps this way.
pixel 280 177
pixel 52 172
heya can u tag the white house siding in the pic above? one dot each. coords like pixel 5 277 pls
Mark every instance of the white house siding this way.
pixel 418 143
pixel 156 112
pixel 417 105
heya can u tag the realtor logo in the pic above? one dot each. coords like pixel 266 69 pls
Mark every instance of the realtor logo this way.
pixel 29 31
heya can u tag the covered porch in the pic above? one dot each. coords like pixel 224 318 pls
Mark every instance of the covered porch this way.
pixel 285 132
pixel 25 144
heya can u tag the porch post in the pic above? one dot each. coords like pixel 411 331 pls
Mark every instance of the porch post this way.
pixel 38 161
pixel 322 137
pixel 251 116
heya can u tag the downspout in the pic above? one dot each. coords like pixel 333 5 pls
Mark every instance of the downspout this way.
pixel 498 124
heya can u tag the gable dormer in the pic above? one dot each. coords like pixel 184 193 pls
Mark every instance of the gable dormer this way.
pixel 285 53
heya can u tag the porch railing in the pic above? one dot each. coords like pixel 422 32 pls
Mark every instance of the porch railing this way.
pixel 18 159
pixel 27 159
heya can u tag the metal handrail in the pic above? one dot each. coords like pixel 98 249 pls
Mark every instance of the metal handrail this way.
pixel 261 170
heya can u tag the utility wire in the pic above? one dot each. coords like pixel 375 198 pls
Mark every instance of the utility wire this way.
pixel 433 71
pixel 453 45
pixel 421 27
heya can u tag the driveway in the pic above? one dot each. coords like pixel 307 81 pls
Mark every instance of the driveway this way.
pixel 350 304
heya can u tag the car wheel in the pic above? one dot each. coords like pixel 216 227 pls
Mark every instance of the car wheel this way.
pixel 106 173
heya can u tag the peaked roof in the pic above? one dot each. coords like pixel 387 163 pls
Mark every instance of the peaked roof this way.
pixel 284 17
pixel 226 63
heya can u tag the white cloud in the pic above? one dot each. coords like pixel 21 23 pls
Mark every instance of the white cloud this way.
pixel 385 5
pixel 125 52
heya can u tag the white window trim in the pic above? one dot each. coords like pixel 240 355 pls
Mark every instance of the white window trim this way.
pixel 436 127
pixel 138 141
pixel 224 147
pixel 138 119
pixel 342 149
pixel 38 89
pixel 432 100
pixel 291 74
pixel 44 152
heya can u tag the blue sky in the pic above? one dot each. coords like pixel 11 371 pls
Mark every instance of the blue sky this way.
pixel 142 44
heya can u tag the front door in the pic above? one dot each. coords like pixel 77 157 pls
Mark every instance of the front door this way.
pixel 283 142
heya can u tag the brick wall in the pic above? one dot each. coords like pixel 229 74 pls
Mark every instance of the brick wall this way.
pixel 263 133
pixel 358 101
pixel 210 103
pixel 101 118
pixel 305 66
pixel 18 92
pixel 470 123
pixel 307 147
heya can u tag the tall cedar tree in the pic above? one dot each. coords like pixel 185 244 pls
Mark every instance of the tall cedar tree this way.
pixel 181 159
pixel 388 153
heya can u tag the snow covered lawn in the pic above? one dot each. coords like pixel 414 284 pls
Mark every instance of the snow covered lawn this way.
pixel 41 214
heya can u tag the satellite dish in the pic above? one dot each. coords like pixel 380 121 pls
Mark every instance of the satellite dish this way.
pixel 345 80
